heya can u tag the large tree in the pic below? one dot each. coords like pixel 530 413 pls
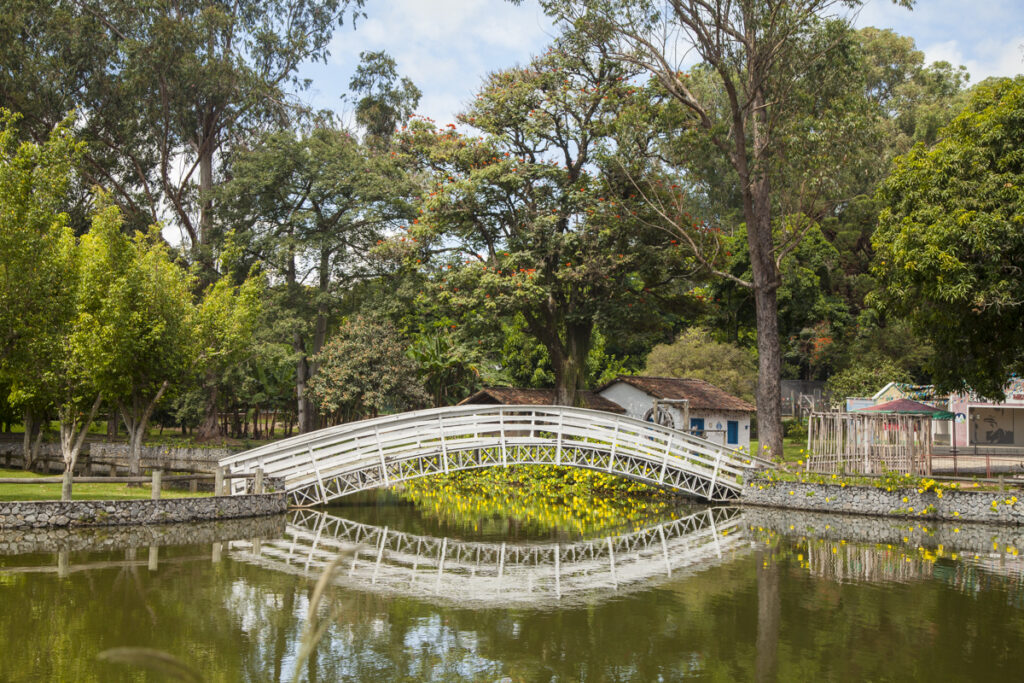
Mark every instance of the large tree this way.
pixel 950 242
pixel 535 218
pixel 136 318
pixel 162 88
pixel 311 205
pixel 769 102
pixel 35 287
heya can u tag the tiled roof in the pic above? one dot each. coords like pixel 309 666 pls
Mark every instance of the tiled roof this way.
pixel 701 395
pixel 537 397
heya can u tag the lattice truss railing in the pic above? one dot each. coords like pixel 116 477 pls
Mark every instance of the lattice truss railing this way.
pixel 327 464
pixel 468 572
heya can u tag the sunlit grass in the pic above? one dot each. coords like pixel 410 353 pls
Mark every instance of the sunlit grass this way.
pixel 9 492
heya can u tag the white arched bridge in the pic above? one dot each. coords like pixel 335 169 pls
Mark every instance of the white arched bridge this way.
pixel 320 466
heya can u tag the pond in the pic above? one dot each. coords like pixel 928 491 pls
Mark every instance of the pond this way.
pixel 704 593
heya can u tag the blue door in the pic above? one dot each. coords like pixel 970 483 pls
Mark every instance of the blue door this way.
pixel 697 426
pixel 732 432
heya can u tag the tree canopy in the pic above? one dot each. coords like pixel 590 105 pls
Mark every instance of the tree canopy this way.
pixel 950 241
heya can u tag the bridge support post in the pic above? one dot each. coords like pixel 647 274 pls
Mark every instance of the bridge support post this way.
pixel 319 479
pixel 714 475
pixel 218 482
pixel 615 445
pixel 558 449
pixel 664 459
pixel 444 446
pixel 383 464
pixel 501 423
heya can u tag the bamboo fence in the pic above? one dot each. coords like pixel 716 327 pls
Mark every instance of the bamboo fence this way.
pixel 866 443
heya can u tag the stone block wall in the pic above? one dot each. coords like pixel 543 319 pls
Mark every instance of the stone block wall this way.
pixel 42 514
pixel 954 505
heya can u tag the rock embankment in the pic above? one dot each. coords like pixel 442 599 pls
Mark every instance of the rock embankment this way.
pixel 993 507
pixel 48 514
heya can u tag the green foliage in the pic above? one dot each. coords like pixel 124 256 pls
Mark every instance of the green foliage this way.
pixel 448 370
pixel 34 291
pixel 537 211
pixel 864 379
pixel 696 354
pixel 950 242
pixel 386 100
pixel 364 371
pixel 135 311
pixel 163 85
pixel 794 430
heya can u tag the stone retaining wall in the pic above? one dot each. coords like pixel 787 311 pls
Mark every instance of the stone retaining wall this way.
pixel 954 505
pixel 41 514
pixel 22 541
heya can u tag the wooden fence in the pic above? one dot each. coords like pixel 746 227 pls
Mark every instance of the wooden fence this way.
pixel 867 443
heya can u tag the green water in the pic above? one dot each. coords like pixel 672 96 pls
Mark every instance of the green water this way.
pixel 706 594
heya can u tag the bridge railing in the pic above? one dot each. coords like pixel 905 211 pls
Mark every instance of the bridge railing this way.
pixel 315 456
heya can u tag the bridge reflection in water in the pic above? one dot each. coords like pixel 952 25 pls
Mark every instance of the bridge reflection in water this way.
pixel 473 573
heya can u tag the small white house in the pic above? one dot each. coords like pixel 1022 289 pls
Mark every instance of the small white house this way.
pixel 710 412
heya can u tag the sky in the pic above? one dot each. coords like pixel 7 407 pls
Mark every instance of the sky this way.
pixel 447 47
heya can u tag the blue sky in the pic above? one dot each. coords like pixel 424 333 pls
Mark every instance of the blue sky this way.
pixel 447 47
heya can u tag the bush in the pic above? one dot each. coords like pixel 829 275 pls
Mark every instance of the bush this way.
pixel 794 429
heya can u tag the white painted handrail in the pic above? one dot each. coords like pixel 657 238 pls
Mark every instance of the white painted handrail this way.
pixel 333 462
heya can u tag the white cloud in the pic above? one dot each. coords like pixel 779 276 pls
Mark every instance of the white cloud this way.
pixel 446 47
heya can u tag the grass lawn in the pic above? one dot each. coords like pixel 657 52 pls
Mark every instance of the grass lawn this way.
pixel 78 492
pixel 790 449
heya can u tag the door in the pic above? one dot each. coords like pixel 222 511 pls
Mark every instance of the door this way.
pixel 697 426
pixel 732 432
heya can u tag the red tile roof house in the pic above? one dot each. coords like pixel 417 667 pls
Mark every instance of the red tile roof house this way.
pixel 511 396
pixel 713 413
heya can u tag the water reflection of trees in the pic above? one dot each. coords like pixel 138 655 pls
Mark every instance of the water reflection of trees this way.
pixel 834 604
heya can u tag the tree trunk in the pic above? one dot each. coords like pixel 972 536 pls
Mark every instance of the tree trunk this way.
pixel 72 436
pixel 304 406
pixel 209 428
pixel 112 423
pixel 136 421
pixel 569 361
pixel 204 255
pixel 766 280
pixel 31 431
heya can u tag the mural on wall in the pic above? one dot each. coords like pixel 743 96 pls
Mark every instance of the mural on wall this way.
pixel 993 426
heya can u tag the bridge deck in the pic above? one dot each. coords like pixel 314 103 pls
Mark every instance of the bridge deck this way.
pixel 320 466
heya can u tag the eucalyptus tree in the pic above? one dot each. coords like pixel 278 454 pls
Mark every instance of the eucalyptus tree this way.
pixel 534 218
pixel 768 101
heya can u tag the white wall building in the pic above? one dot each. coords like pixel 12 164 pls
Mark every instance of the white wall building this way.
pixel 713 413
